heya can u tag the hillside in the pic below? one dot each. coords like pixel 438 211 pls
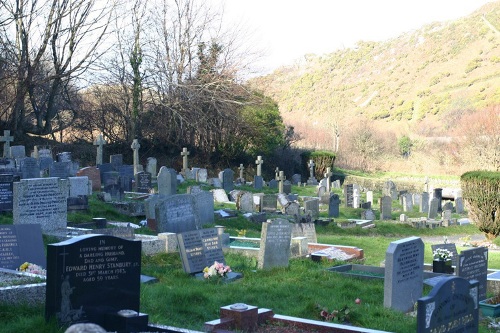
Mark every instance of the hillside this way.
pixel 418 84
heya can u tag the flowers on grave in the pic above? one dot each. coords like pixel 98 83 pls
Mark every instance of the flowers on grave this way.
pixel 341 315
pixel 32 268
pixel 442 254
pixel 217 270
pixel 242 233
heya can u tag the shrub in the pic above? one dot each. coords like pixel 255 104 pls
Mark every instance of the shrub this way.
pixel 480 191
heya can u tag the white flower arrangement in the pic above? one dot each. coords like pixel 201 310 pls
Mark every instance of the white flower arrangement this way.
pixel 442 254
pixel 218 269
pixel 32 268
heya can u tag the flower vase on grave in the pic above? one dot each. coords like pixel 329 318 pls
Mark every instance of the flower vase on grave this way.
pixel 442 266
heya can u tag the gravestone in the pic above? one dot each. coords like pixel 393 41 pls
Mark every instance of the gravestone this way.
pixel 321 191
pixel 202 175
pixel 451 306
pixel 6 139
pixel 407 202
pixel 447 206
pixel 311 180
pixel 450 247
pixel 99 142
pixel 106 167
pixel 275 244
pixel 404 271
pixel 369 197
pixel 184 154
pixel 389 189
pixel 45 163
pixel 348 195
pixel 273 184
pixel 64 156
pixel 127 173
pixel 459 205
pixel 433 208
pixel 167 181
pixel 94 176
pixel 199 249
pixel 17 152
pixel 6 192
pixel 21 243
pixel 227 180
pixel 176 213
pixel 59 170
pixel 307 230
pixel 296 179
pixel 368 214
pixel 8 165
pixel 41 201
pixel 258 182
pixel 204 207
pixel 91 278
pixel 438 194
pixel 473 265
pixel 143 182
pixel 292 209
pixel 245 202
pixel 287 187
pixel 424 203
pixel 112 184
pixel 269 203
pixel 30 168
pixel 313 207
pixel 79 186
pixel 416 198
pixel 135 146
pixel 259 163
pixel 220 195
pixel 333 206
pixel 116 161
pixel 386 208
pixel 151 165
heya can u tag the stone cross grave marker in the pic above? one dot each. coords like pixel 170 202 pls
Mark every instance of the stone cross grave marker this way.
pixel 259 162
pixel 311 169
pixel 328 174
pixel 275 244
pixel 184 155
pixel 473 265
pixel 151 166
pixel 281 179
pixel 99 142
pixel 41 201
pixel 92 277
pixel 135 147
pixel 404 272
pixel 21 243
pixel 199 249
pixel 242 168
pixel 451 306
pixel 6 139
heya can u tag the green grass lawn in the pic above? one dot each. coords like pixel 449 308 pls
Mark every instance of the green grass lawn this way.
pixel 302 289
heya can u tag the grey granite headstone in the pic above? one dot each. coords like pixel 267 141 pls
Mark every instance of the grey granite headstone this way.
pixel 307 230
pixel 287 187
pixel 407 202
pixel 292 209
pixel 204 207
pixel 275 244
pixel 386 208
pixel 220 195
pixel 404 271
pixel 348 195
pixel 17 152
pixel 64 156
pixel 433 208
pixel 41 201
pixel 389 189
pixel 202 175
pixel 151 165
pixel 167 181
pixel 368 214
pixel 424 203
pixel 296 178
pixel 228 180
pixel 245 202
pixel 473 265
pixel 59 170
pixel 258 182
pixel 459 205
pixel 30 168
pixel 416 199
pixel 273 183
pixel 333 206
pixel 269 203
pixel 451 307
pixel 79 186
pixel 176 213
pixel 313 207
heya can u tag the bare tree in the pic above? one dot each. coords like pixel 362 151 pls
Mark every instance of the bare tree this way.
pixel 54 43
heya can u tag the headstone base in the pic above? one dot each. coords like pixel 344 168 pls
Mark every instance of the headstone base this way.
pixel 126 324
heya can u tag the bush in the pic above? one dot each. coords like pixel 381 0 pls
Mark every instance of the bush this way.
pixel 480 191
pixel 322 160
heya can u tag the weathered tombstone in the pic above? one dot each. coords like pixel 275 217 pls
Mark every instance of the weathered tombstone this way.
pixel 151 165
pixel 220 195
pixel 447 206
pixel 416 198
pixel 204 207
pixel 41 201
pixel 287 187
pixel 106 167
pixel 438 194
pixel 450 247
pixel 17 152
pixel 333 206
pixel 167 181
pixel 389 189
pixel 91 278
pixel 245 202
pixel 404 271
pixel 273 183
pixel 283 200
pixel 8 165
pixel 6 192
pixel 258 182
pixel 407 202
pixel 459 205
pixel 21 243
pixel 64 156
pixel 112 184
pixel 386 208
pixel 45 163
pixel 424 203
pixel 296 179
pixel 336 183
pixel 307 230
pixel 433 208
pixel 202 175
pixel 269 203
pixel 228 180
pixel 143 182
pixel 93 175
pixel 99 142
pixel 59 170
pixel 313 207
pixel 176 214
pixel 356 197
pixel 29 168
pixel 321 191
pixel 348 195
pixel 127 173
pixel 135 149
pixel 199 249
pixel 473 265
pixel 6 139
pixel 451 306
pixel 79 186
pixel 368 214
pixel 292 209
pixel 275 244
pixel 116 160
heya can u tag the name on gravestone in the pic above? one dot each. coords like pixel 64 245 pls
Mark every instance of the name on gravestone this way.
pixel 143 182
pixel 6 192
pixel 19 244
pixel 473 265
pixel 90 277
pixel 199 249
pixel 451 307
pixel 275 244
pixel 41 201
pixel 403 281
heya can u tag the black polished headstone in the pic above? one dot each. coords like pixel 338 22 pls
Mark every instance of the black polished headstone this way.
pixel 21 243
pixel 92 277
pixel 143 182
pixel 6 192
pixel 199 249
pixel 473 265
pixel 451 307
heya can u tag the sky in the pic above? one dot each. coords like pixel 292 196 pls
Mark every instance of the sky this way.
pixel 286 30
